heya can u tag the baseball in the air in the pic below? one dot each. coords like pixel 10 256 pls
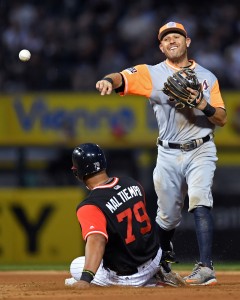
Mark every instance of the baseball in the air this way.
pixel 24 55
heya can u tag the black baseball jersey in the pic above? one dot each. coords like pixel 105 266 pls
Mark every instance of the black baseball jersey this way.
pixel 132 237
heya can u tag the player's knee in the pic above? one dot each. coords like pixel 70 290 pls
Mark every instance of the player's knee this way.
pixel 168 223
pixel 197 201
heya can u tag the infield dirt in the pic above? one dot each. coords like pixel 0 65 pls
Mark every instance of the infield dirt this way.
pixel 50 285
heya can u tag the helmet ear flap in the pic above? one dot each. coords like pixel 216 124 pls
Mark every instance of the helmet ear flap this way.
pixel 75 172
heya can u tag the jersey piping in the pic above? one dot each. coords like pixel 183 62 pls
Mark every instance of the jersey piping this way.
pixel 108 185
pixel 192 66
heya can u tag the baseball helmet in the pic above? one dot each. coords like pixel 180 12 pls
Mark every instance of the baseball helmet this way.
pixel 88 159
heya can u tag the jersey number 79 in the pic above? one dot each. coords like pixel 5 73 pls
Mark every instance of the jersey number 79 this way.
pixel 139 212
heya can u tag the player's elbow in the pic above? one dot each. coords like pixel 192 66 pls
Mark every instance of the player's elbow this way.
pixel 219 122
pixel 220 117
pixel 223 121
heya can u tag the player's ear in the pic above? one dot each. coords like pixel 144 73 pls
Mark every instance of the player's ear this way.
pixel 161 48
pixel 188 41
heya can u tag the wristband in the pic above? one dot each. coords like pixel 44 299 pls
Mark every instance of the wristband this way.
pixel 108 79
pixel 87 275
pixel 209 110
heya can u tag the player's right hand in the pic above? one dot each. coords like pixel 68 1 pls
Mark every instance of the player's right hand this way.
pixel 81 285
pixel 104 87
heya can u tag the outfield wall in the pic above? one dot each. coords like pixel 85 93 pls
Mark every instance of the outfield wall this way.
pixel 39 226
pixel 47 119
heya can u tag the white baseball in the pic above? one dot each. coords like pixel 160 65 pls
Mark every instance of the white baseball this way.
pixel 24 55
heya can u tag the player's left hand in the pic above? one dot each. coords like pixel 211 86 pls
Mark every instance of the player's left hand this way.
pixel 184 87
pixel 81 284
pixel 200 103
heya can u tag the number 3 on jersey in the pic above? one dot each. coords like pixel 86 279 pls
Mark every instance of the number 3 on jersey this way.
pixel 140 214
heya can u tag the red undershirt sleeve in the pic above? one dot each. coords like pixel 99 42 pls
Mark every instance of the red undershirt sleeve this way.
pixel 92 220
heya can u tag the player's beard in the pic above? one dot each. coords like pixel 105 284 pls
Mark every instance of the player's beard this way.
pixel 178 57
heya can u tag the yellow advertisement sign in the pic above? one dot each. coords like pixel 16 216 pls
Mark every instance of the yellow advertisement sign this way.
pixel 50 119
pixel 229 135
pixel 39 226
pixel 45 119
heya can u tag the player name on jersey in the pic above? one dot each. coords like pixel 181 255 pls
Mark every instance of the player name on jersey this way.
pixel 123 196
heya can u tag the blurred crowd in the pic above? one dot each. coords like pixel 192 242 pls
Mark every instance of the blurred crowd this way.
pixel 75 42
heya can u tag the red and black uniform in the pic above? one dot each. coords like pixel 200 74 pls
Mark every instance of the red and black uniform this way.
pixel 117 210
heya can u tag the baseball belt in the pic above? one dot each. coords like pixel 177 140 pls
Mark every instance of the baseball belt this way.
pixel 188 146
pixel 130 271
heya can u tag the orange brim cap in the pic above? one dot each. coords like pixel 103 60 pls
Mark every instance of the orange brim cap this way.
pixel 171 27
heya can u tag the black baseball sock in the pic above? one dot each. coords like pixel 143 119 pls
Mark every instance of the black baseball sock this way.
pixel 165 238
pixel 204 230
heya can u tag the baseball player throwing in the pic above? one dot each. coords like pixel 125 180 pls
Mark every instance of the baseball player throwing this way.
pixel 122 246
pixel 187 157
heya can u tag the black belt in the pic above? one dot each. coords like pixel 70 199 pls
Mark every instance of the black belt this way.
pixel 188 146
pixel 128 272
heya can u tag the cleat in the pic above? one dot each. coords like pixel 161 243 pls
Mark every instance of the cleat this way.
pixel 201 275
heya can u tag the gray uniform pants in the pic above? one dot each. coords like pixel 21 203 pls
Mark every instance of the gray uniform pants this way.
pixel 177 173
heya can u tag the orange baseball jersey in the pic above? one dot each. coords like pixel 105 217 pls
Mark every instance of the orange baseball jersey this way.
pixel 174 125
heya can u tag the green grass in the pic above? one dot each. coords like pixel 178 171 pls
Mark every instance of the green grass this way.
pixel 34 267
pixel 219 266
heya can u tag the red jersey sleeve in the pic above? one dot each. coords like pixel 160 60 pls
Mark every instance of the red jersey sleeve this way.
pixel 92 220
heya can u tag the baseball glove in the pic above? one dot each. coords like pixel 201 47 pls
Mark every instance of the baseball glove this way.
pixel 176 88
